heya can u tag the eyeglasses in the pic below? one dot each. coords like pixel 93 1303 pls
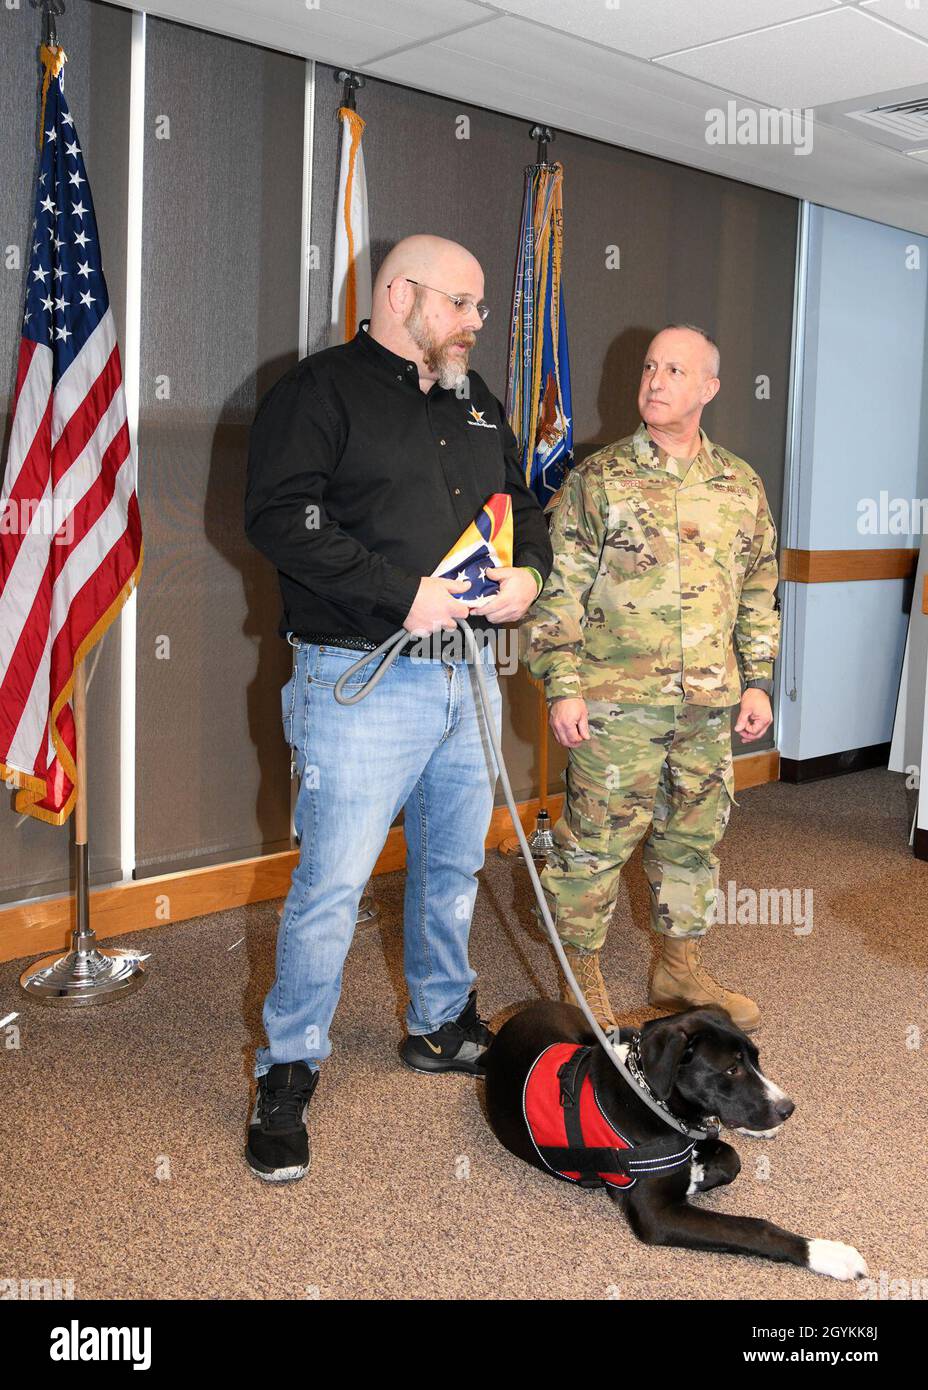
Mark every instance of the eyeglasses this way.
pixel 463 303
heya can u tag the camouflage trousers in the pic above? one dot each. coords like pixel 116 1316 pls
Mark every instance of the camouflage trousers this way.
pixel 669 768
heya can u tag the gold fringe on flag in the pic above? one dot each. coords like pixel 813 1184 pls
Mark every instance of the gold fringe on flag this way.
pixel 53 60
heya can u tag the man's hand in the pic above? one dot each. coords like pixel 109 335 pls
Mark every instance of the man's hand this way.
pixel 755 715
pixel 434 606
pixel 517 590
pixel 568 718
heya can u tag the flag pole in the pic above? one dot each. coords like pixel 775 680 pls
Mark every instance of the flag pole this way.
pixel 352 82
pixel 85 974
pixel 524 406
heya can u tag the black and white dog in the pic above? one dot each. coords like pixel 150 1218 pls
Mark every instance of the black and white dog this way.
pixel 555 1100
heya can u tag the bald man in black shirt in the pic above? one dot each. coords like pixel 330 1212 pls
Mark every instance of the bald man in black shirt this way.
pixel 367 462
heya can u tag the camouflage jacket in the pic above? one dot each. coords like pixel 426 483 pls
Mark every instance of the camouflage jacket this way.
pixel 656 580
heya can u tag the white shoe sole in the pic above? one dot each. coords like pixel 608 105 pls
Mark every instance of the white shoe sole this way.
pixel 280 1174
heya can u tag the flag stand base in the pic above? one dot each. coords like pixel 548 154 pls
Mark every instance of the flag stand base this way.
pixel 85 974
pixel 540 842
pixel 368 911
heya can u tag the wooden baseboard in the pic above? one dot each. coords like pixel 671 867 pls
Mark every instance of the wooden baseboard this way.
pixel 754 769
pixel 30 929
pixel 838 566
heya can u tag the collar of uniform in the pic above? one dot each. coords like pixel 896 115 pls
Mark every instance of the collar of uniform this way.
pixel 399 366
pixel 707 464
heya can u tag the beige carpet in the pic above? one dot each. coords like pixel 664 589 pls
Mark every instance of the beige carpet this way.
pixel 124 1126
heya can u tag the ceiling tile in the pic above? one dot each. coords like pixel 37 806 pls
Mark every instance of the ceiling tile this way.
pixel 648 27
pixel 503 58
pixel 809 62
pixel 348 32
pixel 901 13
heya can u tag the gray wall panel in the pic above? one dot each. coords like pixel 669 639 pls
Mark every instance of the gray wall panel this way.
pixel 219 323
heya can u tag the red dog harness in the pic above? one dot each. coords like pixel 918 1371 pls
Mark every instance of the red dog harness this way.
pixel 573 1136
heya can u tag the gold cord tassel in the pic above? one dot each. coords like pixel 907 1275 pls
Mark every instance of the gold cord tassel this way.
pixel 53 60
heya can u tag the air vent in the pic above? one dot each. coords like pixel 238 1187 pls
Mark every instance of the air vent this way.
pixel 906 120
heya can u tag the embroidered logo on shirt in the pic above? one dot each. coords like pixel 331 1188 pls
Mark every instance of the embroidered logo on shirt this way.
pixel 476 418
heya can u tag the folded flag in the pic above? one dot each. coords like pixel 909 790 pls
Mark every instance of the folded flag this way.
pixel 486 544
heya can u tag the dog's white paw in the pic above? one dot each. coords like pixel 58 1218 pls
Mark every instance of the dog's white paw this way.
pixel 697 1175
pixel 834 1258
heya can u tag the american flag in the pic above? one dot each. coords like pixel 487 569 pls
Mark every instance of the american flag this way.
pixel 70 531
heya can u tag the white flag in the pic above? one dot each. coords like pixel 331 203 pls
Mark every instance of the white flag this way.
pixel 351 273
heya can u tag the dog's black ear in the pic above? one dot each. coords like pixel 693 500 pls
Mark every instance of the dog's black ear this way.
pixel 663 1044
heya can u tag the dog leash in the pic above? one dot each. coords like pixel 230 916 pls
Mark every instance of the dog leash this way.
pixel 390 650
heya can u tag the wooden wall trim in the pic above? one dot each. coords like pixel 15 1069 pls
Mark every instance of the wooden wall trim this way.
pixel 754 769
pixel 30 929
pixel 838 566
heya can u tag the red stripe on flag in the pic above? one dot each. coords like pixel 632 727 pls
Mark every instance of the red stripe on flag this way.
pixel 79 430
pixel 33 475
pixel 97 595
pixel 27 349
pixel 20 674
pixel 88 608
pixel 90 508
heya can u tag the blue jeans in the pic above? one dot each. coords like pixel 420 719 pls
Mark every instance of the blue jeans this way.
pixel 417 742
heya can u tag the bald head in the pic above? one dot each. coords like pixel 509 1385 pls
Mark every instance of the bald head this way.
pixel 679 378
pixel 433 259
pixel 419 320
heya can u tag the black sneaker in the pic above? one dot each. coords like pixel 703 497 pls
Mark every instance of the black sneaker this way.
pixel 456 1046
pixel 278 1145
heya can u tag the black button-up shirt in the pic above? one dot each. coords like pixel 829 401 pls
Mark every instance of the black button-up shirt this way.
pixel 359 483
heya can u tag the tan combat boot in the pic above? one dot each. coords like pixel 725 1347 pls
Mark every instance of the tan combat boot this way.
pixel 680 981
pixel 585 965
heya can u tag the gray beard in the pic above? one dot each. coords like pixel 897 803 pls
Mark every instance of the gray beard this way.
pixel 451 373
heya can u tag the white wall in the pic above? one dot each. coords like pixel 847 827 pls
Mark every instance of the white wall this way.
pixel 862 430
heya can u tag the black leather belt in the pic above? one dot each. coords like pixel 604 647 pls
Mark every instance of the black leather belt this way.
pixel 363 644
pixel 357 644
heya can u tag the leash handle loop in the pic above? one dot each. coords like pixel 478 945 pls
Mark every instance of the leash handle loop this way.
pixel 391 647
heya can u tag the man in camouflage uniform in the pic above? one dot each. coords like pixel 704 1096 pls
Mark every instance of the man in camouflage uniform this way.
pixel 664 566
